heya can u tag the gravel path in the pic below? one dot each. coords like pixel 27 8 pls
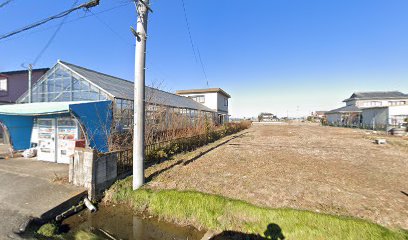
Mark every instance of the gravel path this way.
pixel 322 169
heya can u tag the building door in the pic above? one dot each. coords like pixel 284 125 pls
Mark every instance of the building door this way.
pixel 67 132
pixel 46 140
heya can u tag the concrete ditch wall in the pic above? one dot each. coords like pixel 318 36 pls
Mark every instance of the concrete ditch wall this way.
pixel 94 173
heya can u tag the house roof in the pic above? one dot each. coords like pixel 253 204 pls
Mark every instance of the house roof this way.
pixel 121 88
pixel 346 109
pixel 205 90
pixel 24 71
pixel 376 95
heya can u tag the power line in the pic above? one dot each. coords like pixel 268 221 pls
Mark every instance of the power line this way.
pixel 5 3
pixel 87 5
pixel 202 66
pixel 188 30
pixel 52 36
pixel 192 42
pixel 110 28
pixel 73 20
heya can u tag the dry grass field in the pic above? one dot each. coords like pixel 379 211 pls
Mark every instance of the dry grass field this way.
pixel 322 169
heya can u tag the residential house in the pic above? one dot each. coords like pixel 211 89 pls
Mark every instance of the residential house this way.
pixel 14 83
pixel 319 114
pixel 376 110
pixel 267 117
pixel 213 98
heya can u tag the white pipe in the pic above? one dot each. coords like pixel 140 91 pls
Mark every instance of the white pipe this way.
pixel 30 91
pixel 89 205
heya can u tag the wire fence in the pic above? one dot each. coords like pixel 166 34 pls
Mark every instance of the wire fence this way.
pixel 162 150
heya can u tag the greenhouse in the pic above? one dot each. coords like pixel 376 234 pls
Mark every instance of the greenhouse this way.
pixel 69 82
pixel 72 106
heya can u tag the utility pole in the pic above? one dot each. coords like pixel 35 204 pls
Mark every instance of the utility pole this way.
pixel 142 8
pixel 30 92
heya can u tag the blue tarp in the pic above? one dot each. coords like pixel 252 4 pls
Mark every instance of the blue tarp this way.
pixel 94 117
pixel 19 128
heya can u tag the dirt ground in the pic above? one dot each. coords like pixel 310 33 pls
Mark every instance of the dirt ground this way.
pixel 322 169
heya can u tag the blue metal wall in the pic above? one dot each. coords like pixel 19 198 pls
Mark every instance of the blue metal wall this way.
pixel 19 128
pixel 96 119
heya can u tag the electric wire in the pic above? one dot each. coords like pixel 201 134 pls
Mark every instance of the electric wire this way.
pixel 188 29
pixel 202 66
pixel 110 28
pixel 5 3
pixel 198 60
pixel 47 45
pixel 43 21
pixel 70 21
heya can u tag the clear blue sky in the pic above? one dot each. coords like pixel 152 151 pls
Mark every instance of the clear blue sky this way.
pixel 272 55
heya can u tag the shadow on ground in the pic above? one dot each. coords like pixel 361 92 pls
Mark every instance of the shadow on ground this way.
pixel 273 232
pixel 186 162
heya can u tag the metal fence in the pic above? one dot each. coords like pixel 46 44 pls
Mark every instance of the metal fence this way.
pixel 164 149
pixel 124 159
pixel 176 145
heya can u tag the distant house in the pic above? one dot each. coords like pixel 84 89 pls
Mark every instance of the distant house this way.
pixel 213 98
pixel 375 110
pixel 319 114
pixel 13 84
pixel 267 117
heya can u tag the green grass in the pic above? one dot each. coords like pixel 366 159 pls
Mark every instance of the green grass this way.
pixel 84 235
pixel 206 211
pixel 48 231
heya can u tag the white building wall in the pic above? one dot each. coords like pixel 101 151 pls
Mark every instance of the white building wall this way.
pixel 397 115
pixel 214 101
pixel 211 100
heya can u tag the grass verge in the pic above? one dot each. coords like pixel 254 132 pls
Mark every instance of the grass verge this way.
pixel 205 211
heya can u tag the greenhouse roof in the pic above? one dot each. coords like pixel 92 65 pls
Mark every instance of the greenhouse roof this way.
pixel 124 89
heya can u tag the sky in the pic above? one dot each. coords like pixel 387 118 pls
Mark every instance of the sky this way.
pixel 288 57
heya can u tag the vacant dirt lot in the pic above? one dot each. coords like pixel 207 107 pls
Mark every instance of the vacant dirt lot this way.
pixel 323 169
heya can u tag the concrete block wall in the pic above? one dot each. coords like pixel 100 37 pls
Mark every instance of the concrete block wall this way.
pixel 95 173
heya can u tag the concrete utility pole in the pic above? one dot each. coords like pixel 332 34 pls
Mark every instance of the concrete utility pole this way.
pixel 30 92
pixel 142 8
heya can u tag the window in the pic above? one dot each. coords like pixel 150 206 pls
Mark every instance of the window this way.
pixel 200 99
pixel 226 102
pixel 61 85
pixel 394 103
pixel 3 84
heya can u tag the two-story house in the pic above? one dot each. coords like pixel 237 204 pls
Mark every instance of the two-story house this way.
pixel 13 84
pixel 266 117
pixel 379 110
pixel 213 98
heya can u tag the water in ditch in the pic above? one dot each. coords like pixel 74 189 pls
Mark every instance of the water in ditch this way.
pixel 121 223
